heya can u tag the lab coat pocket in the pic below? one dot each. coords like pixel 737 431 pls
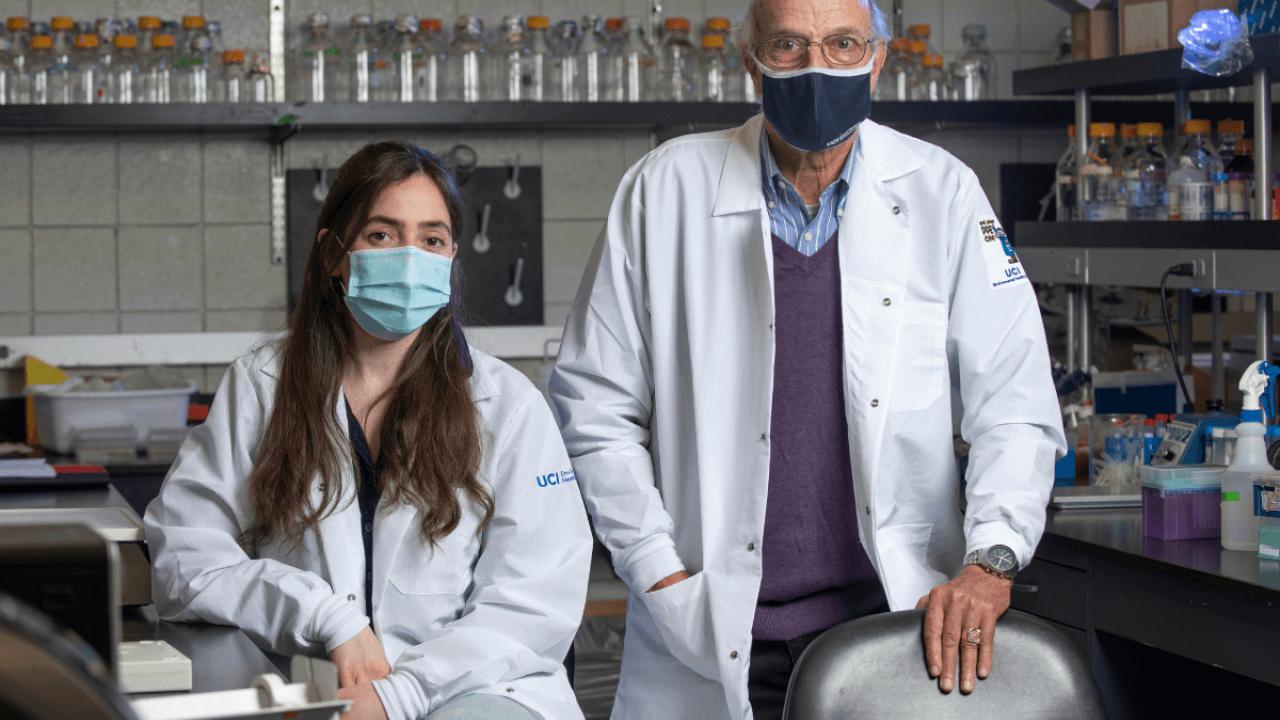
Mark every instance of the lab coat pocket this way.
pixel 433 592
pixel 920 366
pixel 904 551
pixel 683 618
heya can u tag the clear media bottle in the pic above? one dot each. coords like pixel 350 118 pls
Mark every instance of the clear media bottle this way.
pixel 124 80
pixel 18 90
pixel 1240 186
pixel 234 84
pixel 712 73
pixel 592 62
pixel 64 39
pixel 932 83
pixel 897 77
pixel 677 63
pixel 467 60
pixel 194 62
pixel 974 75
pixel 631 74
pixel 1064 184
pixel 550 75
pixel 430 58
pixel 90 82
pixel 1098 172
pixel 158 69
pixel 1128 142
pixel 148 27
pixel 1191 175
pixel 359 59
pixel 1145 175
pixel 509 60
pixel 404 49
pixel 735 75
pixel 319 63
pixel 1229 133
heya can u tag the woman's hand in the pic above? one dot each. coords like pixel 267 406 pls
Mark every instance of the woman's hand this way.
pixel 361 660
pixel 365 703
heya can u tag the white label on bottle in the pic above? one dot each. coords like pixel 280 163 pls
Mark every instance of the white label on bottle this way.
pixel 1195 201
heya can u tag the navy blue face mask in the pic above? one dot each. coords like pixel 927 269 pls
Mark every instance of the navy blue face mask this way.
pixel 816 108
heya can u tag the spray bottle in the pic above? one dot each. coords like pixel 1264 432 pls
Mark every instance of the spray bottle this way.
pixel 1239 524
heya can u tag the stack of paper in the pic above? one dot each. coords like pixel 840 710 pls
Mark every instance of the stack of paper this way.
pixel 26 468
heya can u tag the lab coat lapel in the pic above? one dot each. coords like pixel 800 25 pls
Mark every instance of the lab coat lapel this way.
pixel 340 532
pixel 873 272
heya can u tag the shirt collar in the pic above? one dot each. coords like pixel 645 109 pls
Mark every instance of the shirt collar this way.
pixel 772 173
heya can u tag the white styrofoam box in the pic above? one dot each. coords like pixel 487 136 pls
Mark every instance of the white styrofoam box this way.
pixel 153 666
pixel 60 414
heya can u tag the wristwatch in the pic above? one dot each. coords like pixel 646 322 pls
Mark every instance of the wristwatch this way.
pixel 998 560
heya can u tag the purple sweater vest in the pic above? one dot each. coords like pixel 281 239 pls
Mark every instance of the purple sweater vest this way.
pixel 816 573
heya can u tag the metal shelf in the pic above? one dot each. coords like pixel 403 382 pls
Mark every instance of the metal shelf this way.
pixel 1226 255
pixel 1140 74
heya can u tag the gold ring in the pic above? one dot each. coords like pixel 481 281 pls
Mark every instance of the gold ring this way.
pixel 973 636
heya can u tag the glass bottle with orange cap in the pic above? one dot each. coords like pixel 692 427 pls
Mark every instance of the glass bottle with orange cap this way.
pixel 428 75
pixel 632 65
pixel 1099 175
pixel 549 74
pixel 1229 134
pixel 148 27
pixel 89 81
pixel 50 79
pixel 124 79
pixel 898 75
pixel 677 63
pixel 19 29
pixel 1191 174
pixel 921 33
pixel 193 62
pixel 64 39
pixel 233 83
pixel 158 69
pixel 735 73
pixel 1145 175
pixel 932 83
pixel 712 73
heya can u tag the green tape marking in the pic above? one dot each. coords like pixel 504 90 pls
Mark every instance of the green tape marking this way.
pixel 1230 497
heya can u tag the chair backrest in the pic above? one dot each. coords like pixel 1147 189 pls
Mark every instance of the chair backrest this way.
pixel 874 668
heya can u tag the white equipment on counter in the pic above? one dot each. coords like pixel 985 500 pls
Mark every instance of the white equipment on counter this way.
pixel 152 666
pixel 313 696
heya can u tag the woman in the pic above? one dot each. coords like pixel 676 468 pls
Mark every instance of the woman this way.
pixel 371 488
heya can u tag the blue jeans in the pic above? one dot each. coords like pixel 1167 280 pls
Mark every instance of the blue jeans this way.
pixel 482 706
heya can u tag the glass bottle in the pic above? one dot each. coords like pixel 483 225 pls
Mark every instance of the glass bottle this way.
pixel 194 62
pixel 159 69
pixel 631 74
pixel 360 60
pixel 18 90
pixel 90 82
pixel 216 48
pixel 593 62
pixel 932 83
pixel 735 74
pixel 262 84
pixel 510 63
pixel 1065 177
pixel 1240 186
pixel 40 65
pixel 429 60
pixel 404 49
pixel 1229 133
pixel 8 76
pixel 916 53
pixel 1128 141
pixel 106 28
pixel 677 63
pixel 467 59
pixel 319 63
pixel 233 87
pixel 64 39
pixel 148 27
pixel 974 73
pixel 563 67
pixel 923 33
pixel 1191 174
pixel 898 76
pixel 1145 173
pixel 549 75
pixel 1099 175
pixel 712 73
pixel 124 79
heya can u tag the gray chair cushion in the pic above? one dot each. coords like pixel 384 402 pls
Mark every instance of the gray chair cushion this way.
pixel 874 668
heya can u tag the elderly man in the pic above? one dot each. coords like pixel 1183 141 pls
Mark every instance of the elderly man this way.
pixel 755 386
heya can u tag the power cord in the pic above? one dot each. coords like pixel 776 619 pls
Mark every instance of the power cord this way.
pixel 1181 270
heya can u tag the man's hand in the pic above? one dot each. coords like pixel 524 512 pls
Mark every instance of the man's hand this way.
pixel 365 703
pixel 360 660
pixel 669 580
pixel 975 598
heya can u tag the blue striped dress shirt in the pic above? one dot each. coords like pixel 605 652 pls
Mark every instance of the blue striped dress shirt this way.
pixel 788 217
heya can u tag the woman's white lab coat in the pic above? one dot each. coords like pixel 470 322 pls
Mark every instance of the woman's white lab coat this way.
pixel 492 614
pixel 664 389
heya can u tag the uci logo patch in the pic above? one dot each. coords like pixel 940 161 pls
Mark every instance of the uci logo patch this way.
pixel 1003 267
pixel 556 478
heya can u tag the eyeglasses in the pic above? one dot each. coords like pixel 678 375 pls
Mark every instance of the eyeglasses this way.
pixel 787 52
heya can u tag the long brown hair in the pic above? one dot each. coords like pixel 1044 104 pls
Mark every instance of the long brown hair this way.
pixel 430 436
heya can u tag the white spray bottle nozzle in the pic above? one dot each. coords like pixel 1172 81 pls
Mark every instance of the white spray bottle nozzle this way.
pixel 1252 384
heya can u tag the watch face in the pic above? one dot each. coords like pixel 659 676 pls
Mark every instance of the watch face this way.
pixel 1002 558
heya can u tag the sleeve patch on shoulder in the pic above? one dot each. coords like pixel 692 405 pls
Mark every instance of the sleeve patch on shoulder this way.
pixel 554 478
pixel 1003 267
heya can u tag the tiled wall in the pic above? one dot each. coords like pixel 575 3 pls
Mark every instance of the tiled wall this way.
pixel 170 233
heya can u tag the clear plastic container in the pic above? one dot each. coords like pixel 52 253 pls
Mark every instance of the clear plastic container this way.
pixel 62 413
pixel 677 64
pixel 1145 171
pixel 1115 443
pixel 632 65
pixel 1180 502
pixel 195 62
pixel 159 69
pixel 974 72
pixel 359 59
pixel 1191 175
pixel 1065 180
pixel 898 75
pixel 319 64
pixel 124 80
pixel 1100 176
pixel 429 61
pixel 467 59
pixel 90 80
pixel 403 58
pixel 1266 507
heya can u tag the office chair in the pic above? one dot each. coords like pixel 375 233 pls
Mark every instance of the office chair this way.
pixel 874 668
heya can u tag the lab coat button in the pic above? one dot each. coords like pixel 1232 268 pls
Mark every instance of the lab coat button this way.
pixel 368 527
pixel 751 547
pixel 764 437
pixel 887 302
pixel 875 403
pixel 511 690
pixel 351 597
pixel 897 210
pixel 868 509
pixel 733 655
pixel 772 204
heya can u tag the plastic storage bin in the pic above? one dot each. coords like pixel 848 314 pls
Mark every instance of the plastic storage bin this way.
pixel 61 414
pixel 1181 502
pixel 1266 505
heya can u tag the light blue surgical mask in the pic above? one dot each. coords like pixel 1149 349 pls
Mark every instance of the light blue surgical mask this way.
pixel 394 292
pixel 816 108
